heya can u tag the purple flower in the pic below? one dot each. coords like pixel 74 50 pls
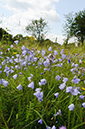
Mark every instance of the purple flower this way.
pixel 73 65
pixel 16 41
pixel 24 52
pixel 72 70
pixel 58 113
pixel 39 94
pixel 42 82
pixel 55 60
pixel 62 127
pixel 48 127
pixel 19 87
pixel 31 75
pixel 11 61
pixel 56 94
pixel 20 73
pixel 75 80
pixel 60 65
pixel 82 74
pixel 50 49
pixel 38 89
pixel 57 77
pixel 12 57
pixel 76 65
pixel 53 127
pixel 1 53
pixel 65 79
pixel 23 48
pixel 71 107
pixel 12 67
pixel 62 51
pixel 63 56
pixel 62 86
pixel 17 55
pixel 5 83
pixel 31 85
pixel 43 52
pixel 38 51
pixel 11 71
pixel 75 91
pixel 80 61
pixel 40 121
pixel 8 49
pixel 11 46
pixel 60 60
pixel 82 97
pixel 45 69
pixel 42 73
pixel 68 60
pixel 3 62
pixel 29 78
pixel 35 59
pixel 55 52
pixel 83 104
pixel 46 63
pixel 15 76
pixel 16 66
pixel 69 89
pixel 0 66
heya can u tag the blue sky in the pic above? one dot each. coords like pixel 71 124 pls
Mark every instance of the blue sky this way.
pixel 16 14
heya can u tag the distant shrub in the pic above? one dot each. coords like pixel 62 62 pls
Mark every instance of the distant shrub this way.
pixel 18 37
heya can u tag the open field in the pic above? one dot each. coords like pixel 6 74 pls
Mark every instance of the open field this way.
pixel 42 86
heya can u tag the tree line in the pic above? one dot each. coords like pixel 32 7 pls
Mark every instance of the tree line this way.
pixel 73 26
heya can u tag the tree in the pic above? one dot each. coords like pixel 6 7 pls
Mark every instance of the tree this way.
pixel 4 35
pixel 37 28
pixel 75 25
pixel 1 33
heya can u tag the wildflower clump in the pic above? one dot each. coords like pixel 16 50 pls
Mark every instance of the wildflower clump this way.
pixel 42 88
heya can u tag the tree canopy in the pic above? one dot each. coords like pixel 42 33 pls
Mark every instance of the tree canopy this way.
pixel 4 35
pixel 37 28
pixel 75 25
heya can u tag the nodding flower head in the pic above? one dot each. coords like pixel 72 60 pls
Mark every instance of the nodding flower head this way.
pixel 31 85
pixel 71 107
pixel 42 82
pixel 19 87
pixel 62 127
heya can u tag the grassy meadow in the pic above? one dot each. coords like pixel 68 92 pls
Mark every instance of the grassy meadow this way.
pixel 42 85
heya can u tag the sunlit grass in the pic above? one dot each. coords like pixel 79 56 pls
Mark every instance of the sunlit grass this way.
pixel 22 105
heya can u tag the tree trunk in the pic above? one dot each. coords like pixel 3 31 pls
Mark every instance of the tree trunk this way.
pixel 82 40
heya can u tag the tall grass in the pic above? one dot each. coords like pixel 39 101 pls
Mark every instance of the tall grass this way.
pixel 21 106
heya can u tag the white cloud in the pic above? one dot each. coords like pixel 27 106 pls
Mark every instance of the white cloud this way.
pixel 60 38
pixel 24 11
pixel 52 37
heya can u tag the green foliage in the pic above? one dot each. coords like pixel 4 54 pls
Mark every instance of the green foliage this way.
pixel 18 37
pixel 67 24
pixel 75 25
pixel 5 37
pixel 1 33
pixel 37 28
pixel 20 109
